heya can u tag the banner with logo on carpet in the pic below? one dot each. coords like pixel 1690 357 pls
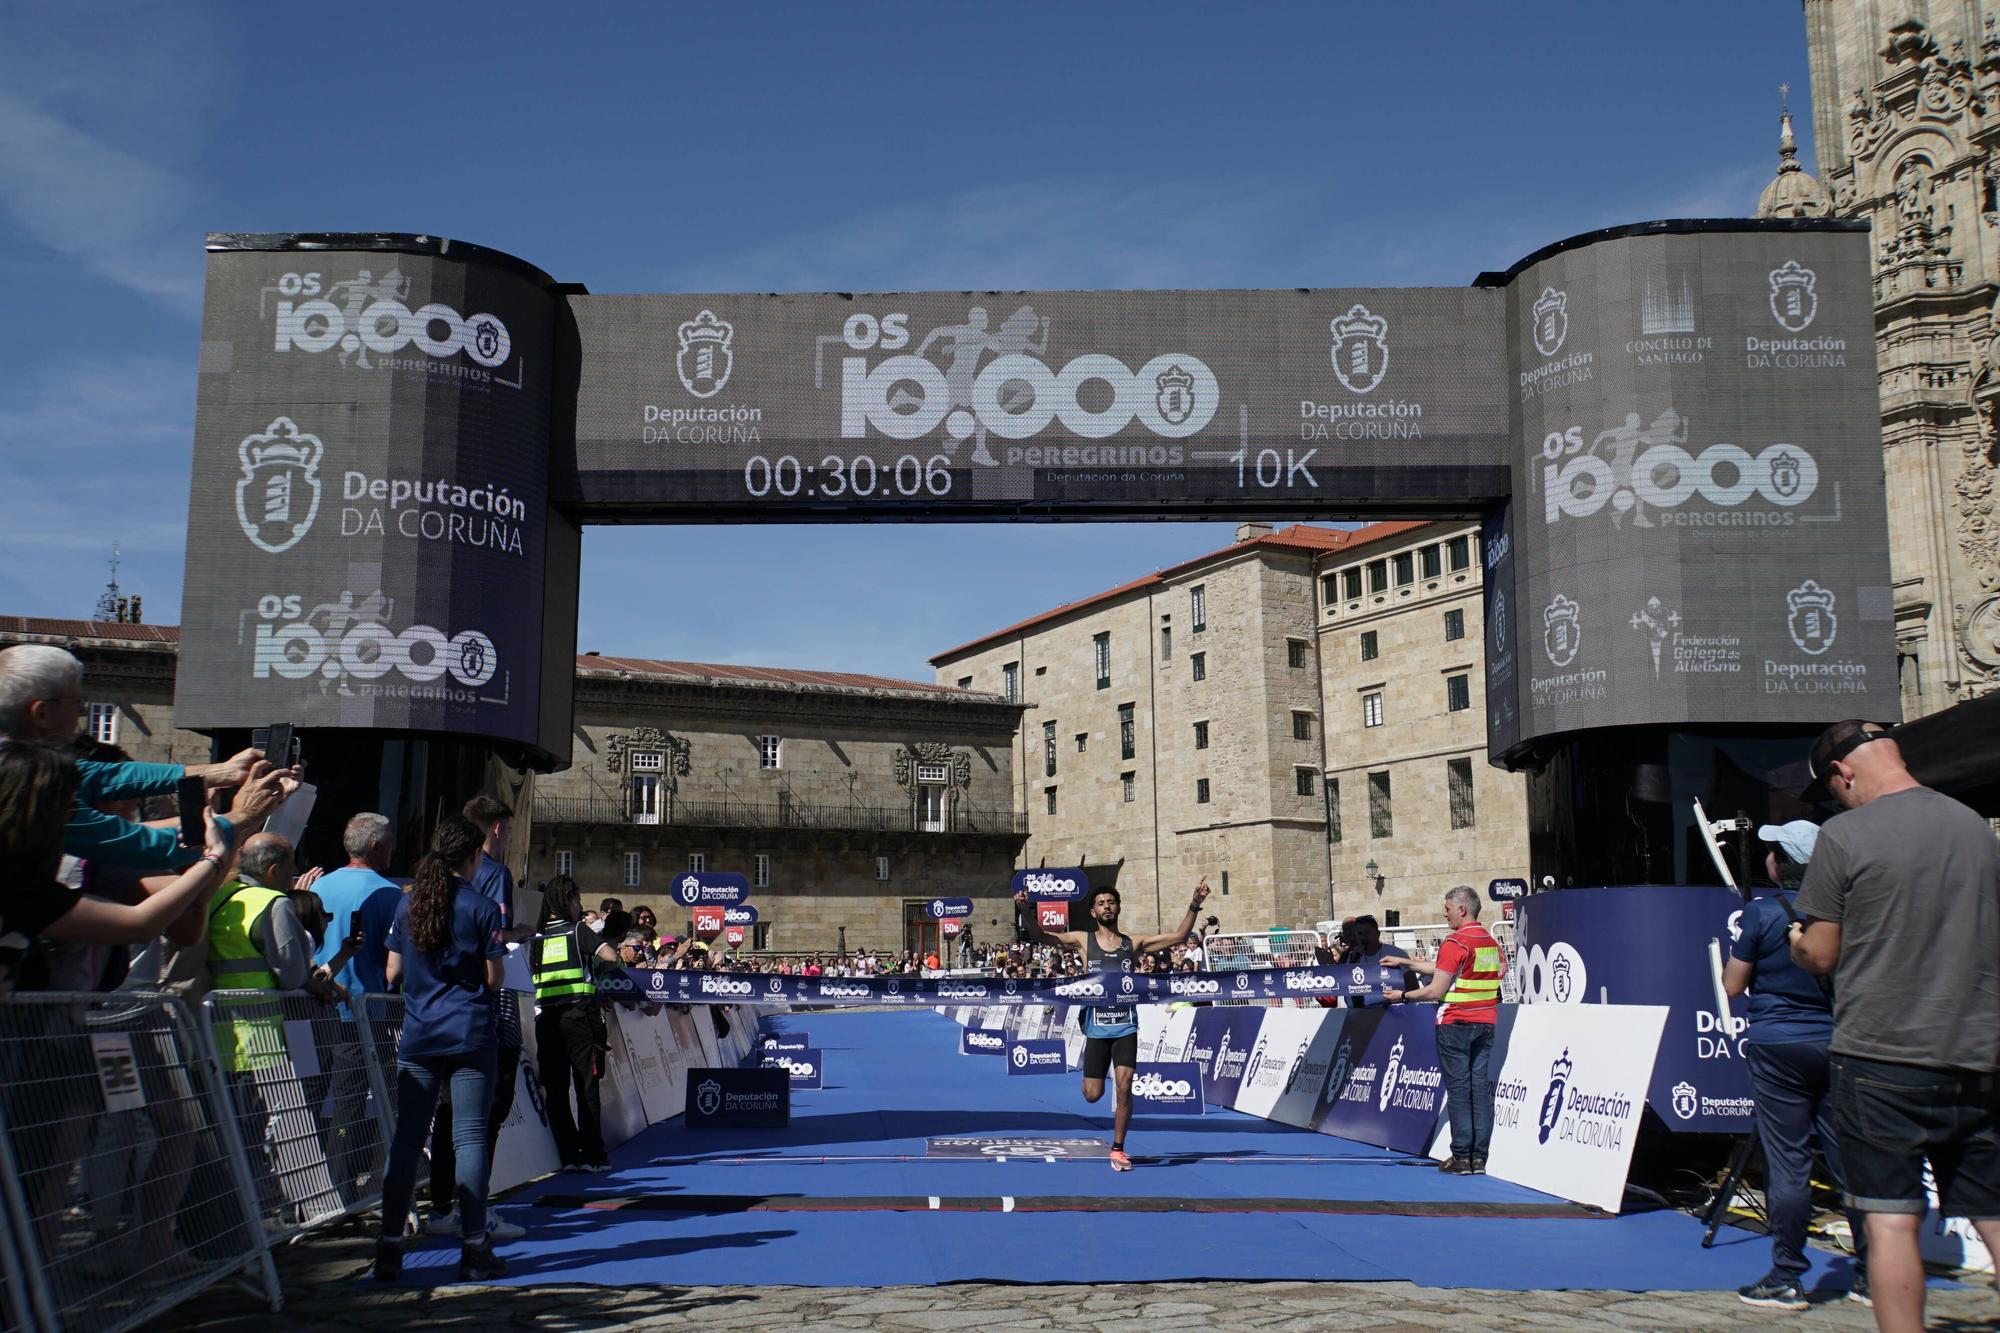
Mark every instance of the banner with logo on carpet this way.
pixel 1570 1095
pixel 1172 1086
pixel 807 1067
pixel 1042 1056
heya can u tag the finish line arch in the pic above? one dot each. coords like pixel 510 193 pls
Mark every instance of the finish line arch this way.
pixel 1670 432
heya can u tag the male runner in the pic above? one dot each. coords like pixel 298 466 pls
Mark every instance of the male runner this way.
pixel 1111 1031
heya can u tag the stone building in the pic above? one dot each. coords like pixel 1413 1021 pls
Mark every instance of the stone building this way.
pixel 848 801
pixel 1182 726
pixel 1413 805
pixel 1903 98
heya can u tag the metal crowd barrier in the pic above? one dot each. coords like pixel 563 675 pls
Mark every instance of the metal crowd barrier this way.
pixel 123 1185
pixel 306 1089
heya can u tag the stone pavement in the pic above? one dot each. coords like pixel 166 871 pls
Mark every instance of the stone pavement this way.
pixel 324 1292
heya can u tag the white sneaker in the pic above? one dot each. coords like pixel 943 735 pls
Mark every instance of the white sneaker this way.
pixel 500 1231
pixel 441 1224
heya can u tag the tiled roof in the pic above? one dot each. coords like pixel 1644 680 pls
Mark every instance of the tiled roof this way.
pixel 755 675
pixel 712 672
pixel 1299 537
pixel 106 630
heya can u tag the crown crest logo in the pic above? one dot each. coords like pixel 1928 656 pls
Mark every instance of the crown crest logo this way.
pixel 1810 619
pixel 1792 274
pixel 705 360
pixel 1794 301
pixel 1360 348
pixel 278 495
pixel 1551 321
pixel 1809 594
pixel 1562 1067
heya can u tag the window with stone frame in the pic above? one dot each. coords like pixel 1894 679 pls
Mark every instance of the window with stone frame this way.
pixel 1371 709
pixel 1295 653
pixel 1406 569
pixel 1302 725
pixel 1432 561
pixel 1128 782
pixel 631 870
pixel 1350 583
pixel 1128 738
pixel 882 868
pixel 1201 791
pixel 104 723
pixel 1458 552
pixel 1198 666
pixel 1457 692
pixel 770 749
pixel 1302 781
pixel 1333 809
pixel 1010 681
pixel 1381 820
pixel 1201 735
pixel 1458 781
pixel 1048 749
pixel 1454 624
pixel 566 863
pixel 1101 652
pixel 697 861
pixel 1198 607
pixel 1378 576
pixel 1049 799
pixel 1082 742
pixel 1371 644
pixel 761 871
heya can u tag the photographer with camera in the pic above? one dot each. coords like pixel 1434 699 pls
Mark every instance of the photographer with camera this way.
pixel 1791 1025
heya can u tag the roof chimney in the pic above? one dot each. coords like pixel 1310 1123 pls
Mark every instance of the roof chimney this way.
pixel 1250 532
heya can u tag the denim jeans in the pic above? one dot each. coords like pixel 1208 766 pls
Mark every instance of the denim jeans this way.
pixel 1464 1052
pixel 1793 1085
pixel 417 1085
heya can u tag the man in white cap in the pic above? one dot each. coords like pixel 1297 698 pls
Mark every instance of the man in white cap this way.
pixel 1790 1066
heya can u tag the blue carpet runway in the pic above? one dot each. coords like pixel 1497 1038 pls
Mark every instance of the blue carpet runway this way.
pixel 843 1198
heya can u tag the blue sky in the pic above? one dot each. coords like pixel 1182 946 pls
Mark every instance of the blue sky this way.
pixel 769 147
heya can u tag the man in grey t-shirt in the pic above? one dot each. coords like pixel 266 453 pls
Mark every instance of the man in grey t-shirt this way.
pixel 1902 906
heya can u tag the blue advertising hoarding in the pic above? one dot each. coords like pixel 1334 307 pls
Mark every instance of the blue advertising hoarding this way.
pixel 1167 1086
pixel 1581 946
pixel 1042 1055
pixel 1384 1086
pixel 1052 886
pixel 706 888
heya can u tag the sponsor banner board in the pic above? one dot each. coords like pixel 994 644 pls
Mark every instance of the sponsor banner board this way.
pixel 1052 886
pixel 1276 1059
pixel 1040 1056
pixel 738 1098
pixel 1384 1085
pixel 1575 948
pixel 1026 1148
pixel 940 909
pixel 1167 1086
pixel 704 888
pixel 739 914
pixel 951 926
pixel 975 1041
pixel 1052 916
pixel 1221 1045
pixel 707 921
pixel 1570 1095
pixel 807 1068
pixel 1506 890
pixel 732 934
pixel 784 1041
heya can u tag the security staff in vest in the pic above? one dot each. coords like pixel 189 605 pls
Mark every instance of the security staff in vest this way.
pixel 256 942
pixel 1465 979
pixel 570 1036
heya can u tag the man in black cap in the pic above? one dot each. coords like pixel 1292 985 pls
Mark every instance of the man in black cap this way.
pixel 1902 905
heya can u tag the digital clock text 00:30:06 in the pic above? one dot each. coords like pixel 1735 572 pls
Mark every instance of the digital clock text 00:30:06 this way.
pixel 834 477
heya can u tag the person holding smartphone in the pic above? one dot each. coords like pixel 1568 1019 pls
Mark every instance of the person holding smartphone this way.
pixel 1790 1066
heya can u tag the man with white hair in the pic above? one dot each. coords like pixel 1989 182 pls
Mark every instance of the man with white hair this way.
pixel 359 896
pixel 1465 979
pixel 41 699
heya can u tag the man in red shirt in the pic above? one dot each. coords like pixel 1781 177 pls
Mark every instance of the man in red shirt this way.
pixel 1465 979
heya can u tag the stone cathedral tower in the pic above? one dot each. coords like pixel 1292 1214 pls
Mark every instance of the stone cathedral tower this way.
pixel 1906 123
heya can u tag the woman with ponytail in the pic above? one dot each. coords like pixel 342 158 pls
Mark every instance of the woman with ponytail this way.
pixel 446 950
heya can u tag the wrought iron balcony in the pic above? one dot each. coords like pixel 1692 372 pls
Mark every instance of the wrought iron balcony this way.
pixel 672 812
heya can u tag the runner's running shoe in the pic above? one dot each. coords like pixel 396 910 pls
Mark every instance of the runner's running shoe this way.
pixel 1119 1161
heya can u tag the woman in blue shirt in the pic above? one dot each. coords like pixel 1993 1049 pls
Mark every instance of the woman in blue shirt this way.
pixel 446 950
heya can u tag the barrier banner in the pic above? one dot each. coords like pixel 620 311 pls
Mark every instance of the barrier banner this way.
pixel 738 1099
pixel 1221 1045
pixel 1260 985
pixel 972 1041
pixel 1174 1086
pixel 1385 1086
pixel 784 1041
pixel 1316 1075
pixel 1571 1092
pixel 1576 948
pixel 1275 1058
pixel 807 1068
pixel 1164 1032
pixel 1041 1056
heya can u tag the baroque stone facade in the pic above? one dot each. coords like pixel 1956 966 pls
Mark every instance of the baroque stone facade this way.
pixel 1184 726
pixel 1903 100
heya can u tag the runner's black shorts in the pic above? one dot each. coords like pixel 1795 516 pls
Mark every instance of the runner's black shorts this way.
pixel 1100 1053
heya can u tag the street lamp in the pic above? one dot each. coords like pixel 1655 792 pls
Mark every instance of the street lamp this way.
pixel 1373 872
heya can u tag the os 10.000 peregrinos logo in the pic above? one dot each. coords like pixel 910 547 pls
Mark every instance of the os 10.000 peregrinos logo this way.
pixel 349 645
pixel 1643 472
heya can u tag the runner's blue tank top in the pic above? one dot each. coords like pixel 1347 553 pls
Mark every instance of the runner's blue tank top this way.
pixel 1109 1020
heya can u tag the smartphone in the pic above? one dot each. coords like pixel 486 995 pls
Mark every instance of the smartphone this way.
pixel 192 795
pixel 283 749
